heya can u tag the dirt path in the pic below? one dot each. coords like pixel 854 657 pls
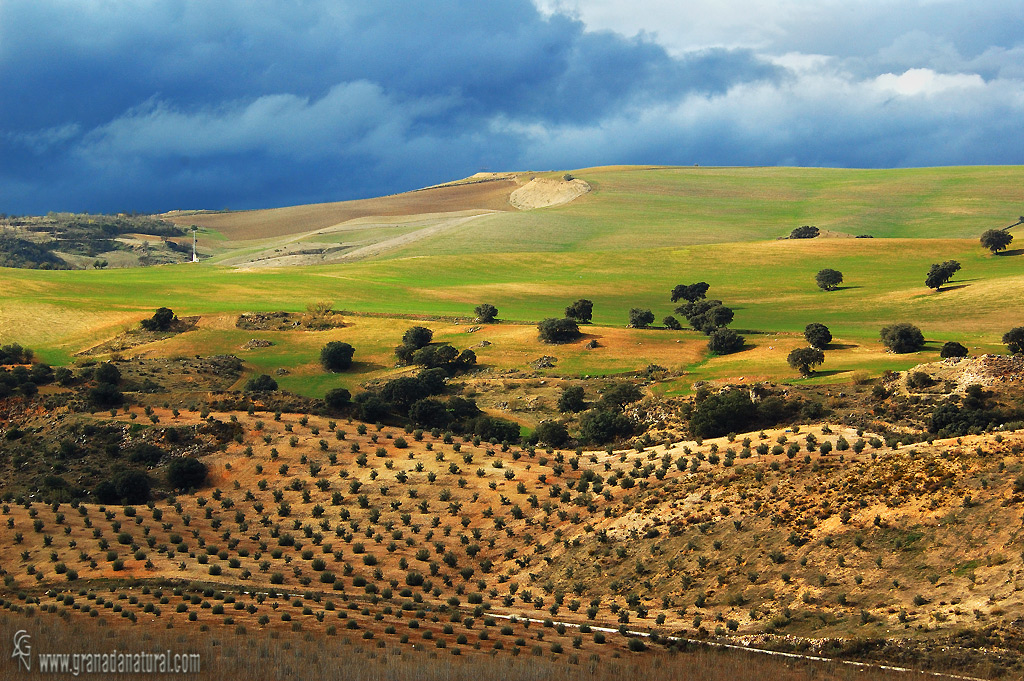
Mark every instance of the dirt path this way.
pixel 326 253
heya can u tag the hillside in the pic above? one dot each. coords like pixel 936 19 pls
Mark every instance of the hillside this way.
pixel 907 554
pixel 346 434
pixel 625 244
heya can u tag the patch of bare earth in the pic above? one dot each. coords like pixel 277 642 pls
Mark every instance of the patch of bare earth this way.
pixel 542 192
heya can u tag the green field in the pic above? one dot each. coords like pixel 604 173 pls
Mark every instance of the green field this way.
pixel 624 245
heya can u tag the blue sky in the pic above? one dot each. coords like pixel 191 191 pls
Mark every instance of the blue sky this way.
pixel 152 105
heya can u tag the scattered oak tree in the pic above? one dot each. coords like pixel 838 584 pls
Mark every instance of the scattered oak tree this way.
pixel 554 330
pixel 828 279
pixel 804 359
pixel 1014 340
pixel 260 383
pixel 603 425
pixel 952 349
pixel 337 399
pixel 571 399
pixel 817 335
pixel 902 337
pixel 336 356
pixel 706 315
pixel 725 341
pixel 417 336
pixel 672 323
pixel 690 292
pixel 582 311
pixel 726 412
pixel 941 273
pixel 186 473
pixel 996 240
pixel 805 232
pixel 485 313
pixel 160 321
pixel 107 373
pixel 640 318
pixel 552 433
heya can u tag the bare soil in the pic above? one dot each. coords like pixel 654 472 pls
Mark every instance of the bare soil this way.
pixel 260 224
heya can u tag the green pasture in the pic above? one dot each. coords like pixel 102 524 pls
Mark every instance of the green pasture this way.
pixel 639 209
pixel 638 234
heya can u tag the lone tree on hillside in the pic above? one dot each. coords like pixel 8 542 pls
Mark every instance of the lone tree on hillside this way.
pixel 902 337
pixel 725 341
pixel 485 313
pixel 582 311
pixel 996 240
pixel 1014 339
pixel 690 292
pixel 817 335
pixel 554 330
pixel 640 318
pixel 952 349
pixel 940 274
pixel 160 321
pixel 828 279
pixel 803 359
pixel 805 232
pixel 336 356
pixel 417 336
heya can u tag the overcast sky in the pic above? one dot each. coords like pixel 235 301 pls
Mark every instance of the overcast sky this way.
pixel 152 105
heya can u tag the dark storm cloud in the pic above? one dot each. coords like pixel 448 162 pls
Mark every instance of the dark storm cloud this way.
pixel 185 103
pixel 173 103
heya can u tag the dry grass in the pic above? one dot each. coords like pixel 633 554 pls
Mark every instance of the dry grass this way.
pixel 261 224
pixel 566 549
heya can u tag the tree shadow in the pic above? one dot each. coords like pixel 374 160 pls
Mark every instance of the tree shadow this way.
pixel 1015 251
pixel 365 367
pixel 845 288
pixel 952 288
pixel 840 346
pixel 827 372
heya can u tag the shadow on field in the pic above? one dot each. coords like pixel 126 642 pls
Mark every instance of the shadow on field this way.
pixel 953 288
pixel 841 346
pixel 365 367
pixel 1015 251
pixel 828 372
pixel 845 288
